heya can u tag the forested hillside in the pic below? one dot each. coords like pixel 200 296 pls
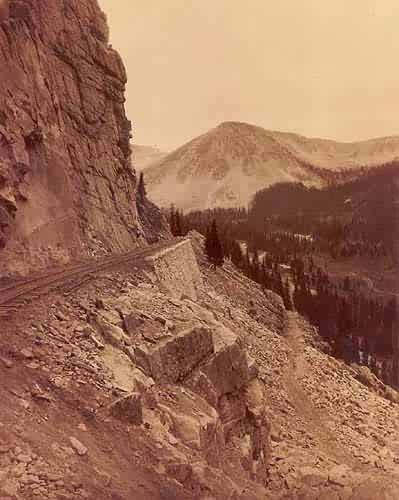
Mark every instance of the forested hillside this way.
pixel 364 210
pixel 320 249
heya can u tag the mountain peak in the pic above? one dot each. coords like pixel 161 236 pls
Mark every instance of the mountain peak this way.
pixel 230 124
pixel 227 165
pixel 239 126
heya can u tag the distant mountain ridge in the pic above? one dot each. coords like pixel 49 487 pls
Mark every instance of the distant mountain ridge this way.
pixel 143 156
pixel 227 165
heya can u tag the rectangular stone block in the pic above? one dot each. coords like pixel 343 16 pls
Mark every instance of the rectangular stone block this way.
pixel 228 370
pixel 174 359
pixel 128 409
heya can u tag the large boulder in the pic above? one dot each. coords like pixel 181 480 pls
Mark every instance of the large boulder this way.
pixel 225 372
pixel 228 369
pixel 128 409
pixel 112 334
pixel 192 420
pixel 173 360
pixel 132 323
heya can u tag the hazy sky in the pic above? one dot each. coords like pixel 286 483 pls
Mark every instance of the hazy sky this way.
pixel 325 68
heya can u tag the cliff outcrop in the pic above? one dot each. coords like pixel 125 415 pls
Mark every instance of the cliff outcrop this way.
pixel 67 187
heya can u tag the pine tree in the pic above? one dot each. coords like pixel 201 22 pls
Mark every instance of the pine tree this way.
pixel 287 296
pixel 247 263
pixel 208 249
pixel 255 266
pixel 213 246
pixel 236 254
pixel 178 227
pixel 265 275
pixel 141 187
pixel 279 287
pixel 172 220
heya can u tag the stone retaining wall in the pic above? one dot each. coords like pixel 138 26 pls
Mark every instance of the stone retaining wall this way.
pixel 177 270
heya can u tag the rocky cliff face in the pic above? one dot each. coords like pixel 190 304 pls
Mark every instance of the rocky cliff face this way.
pixel 67 188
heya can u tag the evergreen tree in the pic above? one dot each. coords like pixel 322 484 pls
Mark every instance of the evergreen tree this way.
pixel 287 296
pixel 247 263
pixel 178 226
pixel 279 287
pixel 172 220
pixel 236 254
pixel 255 266
pixel 218 254
pixel 213 246
pixel 141 187
pixel 176 222
pixel 208 243
pixel 347 284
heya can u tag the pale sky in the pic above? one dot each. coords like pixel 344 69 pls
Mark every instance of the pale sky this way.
pixel 321 68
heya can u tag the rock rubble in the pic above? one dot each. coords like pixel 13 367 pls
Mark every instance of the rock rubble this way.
pixel 227 396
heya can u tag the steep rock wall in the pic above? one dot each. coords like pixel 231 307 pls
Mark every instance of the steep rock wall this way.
pixel 67 188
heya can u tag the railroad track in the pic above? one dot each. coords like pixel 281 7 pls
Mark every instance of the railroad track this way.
pixel 15 295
